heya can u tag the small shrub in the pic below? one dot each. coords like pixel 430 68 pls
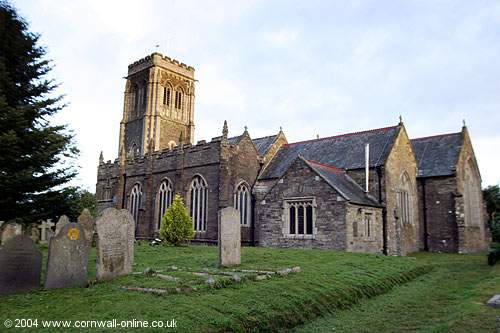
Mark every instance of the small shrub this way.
pixel 495 228
pixel 176 225
pixel 493 256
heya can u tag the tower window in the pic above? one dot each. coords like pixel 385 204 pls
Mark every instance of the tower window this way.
pixel 136 99
pixel 144 94
pixel 166 96
pixel 178 99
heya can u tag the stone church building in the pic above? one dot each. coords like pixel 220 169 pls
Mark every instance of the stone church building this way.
pixel 371 191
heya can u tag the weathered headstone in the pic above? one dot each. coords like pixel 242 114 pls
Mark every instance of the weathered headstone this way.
pixel 68 257
pixel 494 301
pixel 115 243
pixel 34 232
pixel 63 220
pixel 10 230
pixel 20 265
pixel 229 237
pixel 85 219
pixel 45 228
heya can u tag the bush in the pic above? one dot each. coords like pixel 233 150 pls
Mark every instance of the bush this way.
pixel 495 228
pixel 176 225
pixel 493 256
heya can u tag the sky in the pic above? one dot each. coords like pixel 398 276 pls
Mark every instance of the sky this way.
pixel 312 67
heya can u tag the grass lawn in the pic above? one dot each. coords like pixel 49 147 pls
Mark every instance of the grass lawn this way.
pixel 451 298
pixel 329 280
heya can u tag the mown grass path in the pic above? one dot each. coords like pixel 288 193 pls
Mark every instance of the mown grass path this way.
pixel 451 298
pixel 329 280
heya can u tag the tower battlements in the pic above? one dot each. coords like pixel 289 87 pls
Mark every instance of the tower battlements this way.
pixel 160 60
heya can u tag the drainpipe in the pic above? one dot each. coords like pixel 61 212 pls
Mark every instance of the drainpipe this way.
pixel 426 233
pixel 384 209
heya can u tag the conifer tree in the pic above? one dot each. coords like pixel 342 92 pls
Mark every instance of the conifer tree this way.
pixel 35 156
pixel 176 225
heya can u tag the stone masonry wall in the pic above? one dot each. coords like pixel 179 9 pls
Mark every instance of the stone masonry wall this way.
pixel 440 213
pixel 471 237
pixel 401 239
pixel 362 242
pixel 301 181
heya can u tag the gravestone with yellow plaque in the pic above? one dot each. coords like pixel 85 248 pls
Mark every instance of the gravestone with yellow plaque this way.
pixel 67 264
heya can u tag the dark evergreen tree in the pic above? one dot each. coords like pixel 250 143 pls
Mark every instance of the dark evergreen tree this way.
pixel 35 156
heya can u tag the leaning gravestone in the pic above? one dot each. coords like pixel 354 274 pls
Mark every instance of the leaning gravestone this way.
pixel 20 265
pixel 10 230
pixel 63 220
pixel 85 219
pixel 115 243
pixel 229 237
pixel 68 257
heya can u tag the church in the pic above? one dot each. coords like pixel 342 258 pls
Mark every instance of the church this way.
pixel 376 191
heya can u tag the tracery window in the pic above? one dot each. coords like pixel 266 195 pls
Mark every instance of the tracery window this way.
pixel 199 203
pixel 135 202
pixel 300 216
pixel 243 203
pixel 404 201
pixel 472 197
pixel 178 99
pixel 164 199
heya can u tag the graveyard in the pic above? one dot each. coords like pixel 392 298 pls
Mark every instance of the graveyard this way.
pixel 228 288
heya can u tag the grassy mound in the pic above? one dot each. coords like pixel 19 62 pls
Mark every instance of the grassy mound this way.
pixel 328 281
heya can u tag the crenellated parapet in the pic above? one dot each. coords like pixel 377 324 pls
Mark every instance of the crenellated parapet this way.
pixel 157 59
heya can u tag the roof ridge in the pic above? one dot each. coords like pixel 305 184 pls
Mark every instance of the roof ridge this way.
pixel 435 136
pixel 343 135
pixel 265 137
pixel 336 169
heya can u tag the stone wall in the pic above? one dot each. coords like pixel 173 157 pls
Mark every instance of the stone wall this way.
pixel 439 211
pixel 362 242
pixel 401 238
pixel 472 237
pixel 242 166
pixel 300 181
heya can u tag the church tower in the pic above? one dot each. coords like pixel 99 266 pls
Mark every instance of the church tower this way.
pixel 158 109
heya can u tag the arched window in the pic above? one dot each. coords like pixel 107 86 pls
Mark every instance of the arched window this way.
pixel 166 95
pixel 243 203
pixel 404 200
pixel 178 99
pixel 472 196
pixel 163 199
pixel 171 145
pixel 199 203
pixel 135 202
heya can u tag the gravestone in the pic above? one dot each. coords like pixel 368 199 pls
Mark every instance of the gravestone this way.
pixel 68 257
pixel 63 220
pixel 229 237
pixel 85 219
pixel 115 243
pixel 494 301
pixel 20 263
pixel 34 232
pixel 45 228
pixel 10 230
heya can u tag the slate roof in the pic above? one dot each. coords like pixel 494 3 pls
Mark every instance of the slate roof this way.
pixel 344 184
pixel 345 151
pixel 438 155
pixel 262 144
